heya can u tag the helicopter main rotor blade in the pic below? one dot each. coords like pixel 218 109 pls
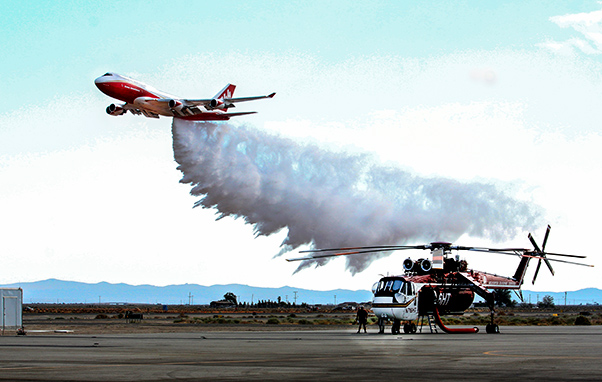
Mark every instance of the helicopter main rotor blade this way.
pixel 562 254
pixel 347 253
pixel 377 247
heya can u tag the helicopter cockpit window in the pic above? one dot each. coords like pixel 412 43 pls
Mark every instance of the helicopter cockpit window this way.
pixel 407 289
pixel 389 286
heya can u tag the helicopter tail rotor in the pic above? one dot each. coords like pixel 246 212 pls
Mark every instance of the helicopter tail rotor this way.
pixel 541 253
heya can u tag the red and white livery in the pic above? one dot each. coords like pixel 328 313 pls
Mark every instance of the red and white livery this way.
pixel 142 99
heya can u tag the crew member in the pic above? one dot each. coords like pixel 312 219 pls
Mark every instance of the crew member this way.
pixel 362 318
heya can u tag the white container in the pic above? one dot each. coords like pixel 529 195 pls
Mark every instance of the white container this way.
pixel 11 308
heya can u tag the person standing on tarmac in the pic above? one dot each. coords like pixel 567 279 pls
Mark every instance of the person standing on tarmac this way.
pixel 362 318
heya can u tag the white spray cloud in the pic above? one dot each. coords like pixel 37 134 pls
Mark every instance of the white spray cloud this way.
pixel 333 199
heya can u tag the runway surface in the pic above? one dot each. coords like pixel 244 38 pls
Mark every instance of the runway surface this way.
pixel 518 353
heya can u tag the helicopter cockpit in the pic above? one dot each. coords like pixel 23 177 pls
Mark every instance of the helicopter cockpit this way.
pixel 390 286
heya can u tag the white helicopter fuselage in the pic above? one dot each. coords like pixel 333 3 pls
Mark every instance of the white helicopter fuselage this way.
pixel 403 298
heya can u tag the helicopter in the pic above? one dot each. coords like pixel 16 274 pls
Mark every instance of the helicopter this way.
pixel 442 284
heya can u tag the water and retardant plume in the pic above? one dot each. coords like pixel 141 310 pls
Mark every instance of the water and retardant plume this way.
pixel 331 199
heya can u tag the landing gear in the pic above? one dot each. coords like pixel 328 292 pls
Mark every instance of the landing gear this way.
pixel 492 328
pixel 381 325
pixel 410 328
pixel 396 327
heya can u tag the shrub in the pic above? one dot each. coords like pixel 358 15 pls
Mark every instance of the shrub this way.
pixel 582 320
pixel 273 321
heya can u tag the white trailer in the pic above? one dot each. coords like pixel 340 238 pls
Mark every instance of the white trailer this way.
pixel 11 308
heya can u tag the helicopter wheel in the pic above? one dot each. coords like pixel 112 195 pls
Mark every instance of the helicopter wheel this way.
pixel 410 328
pixel 492 329
pixel 396 327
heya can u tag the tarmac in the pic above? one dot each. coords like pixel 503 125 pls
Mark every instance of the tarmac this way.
pixel 552 353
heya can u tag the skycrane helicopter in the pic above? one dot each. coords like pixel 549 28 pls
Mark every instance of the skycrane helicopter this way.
pixel 442 284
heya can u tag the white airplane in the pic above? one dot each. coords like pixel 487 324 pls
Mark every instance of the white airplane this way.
pixel 140 98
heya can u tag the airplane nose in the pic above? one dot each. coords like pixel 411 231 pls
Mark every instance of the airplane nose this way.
pixel 101 82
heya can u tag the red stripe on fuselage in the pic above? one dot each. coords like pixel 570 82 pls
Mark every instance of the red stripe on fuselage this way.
pixel 124 91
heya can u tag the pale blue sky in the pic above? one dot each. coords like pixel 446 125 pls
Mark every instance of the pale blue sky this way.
pixel 52 47
pixel 501 92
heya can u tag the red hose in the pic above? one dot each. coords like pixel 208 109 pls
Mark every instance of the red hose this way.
pixel 450 330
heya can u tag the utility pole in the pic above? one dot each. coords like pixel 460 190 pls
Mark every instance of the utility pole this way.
pixel 565 298
pixel 335 299
pixel 295 292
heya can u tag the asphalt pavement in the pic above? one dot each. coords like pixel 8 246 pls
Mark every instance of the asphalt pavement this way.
pixel 517 353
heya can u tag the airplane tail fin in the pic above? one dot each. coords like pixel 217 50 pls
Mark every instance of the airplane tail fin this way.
pixel 218 99
pixel 226 92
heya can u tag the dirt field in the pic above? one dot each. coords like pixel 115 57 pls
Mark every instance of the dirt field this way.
pixel 108 319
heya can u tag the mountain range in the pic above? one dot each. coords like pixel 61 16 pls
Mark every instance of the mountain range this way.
pixel 59 291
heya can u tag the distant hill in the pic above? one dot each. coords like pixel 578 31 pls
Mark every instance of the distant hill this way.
pixel 53 291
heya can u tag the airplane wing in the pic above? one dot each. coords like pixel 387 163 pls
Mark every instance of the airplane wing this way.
pixel 228 102
pixel 191 107
pixel 241 113
pixel 121 109
pixel 243 99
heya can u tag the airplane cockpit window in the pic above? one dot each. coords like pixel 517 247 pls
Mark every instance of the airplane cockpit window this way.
pixel 397 285
pixel 107 74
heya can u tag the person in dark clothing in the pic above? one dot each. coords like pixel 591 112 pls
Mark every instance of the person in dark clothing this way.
pixel 362 318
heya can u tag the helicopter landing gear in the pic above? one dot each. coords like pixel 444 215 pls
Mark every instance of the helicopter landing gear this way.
pixel 410 328
pixel 396 327
pixel 492 328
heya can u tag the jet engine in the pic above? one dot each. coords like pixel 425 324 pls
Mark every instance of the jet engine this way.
pixel 176 107
pixel 173 104
pixel 420 266
pixel 113 109
pixel 426 265
pixel 217 104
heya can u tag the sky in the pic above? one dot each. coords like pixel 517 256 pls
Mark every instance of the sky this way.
pixel 499 94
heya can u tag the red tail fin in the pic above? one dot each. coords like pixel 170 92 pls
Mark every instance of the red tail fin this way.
pixel 227 92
